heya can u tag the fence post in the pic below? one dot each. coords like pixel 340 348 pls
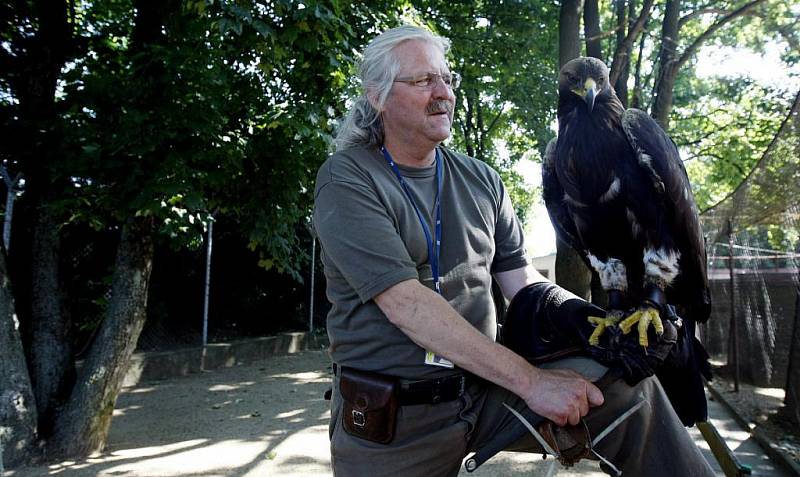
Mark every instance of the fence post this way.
pixel 311 299
pixel 733 352
pixel 209 243
pixel 791 408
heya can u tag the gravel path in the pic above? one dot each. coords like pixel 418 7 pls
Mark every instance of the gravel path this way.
pixel 267 419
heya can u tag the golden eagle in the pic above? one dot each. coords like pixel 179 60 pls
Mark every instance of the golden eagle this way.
pixel 617 192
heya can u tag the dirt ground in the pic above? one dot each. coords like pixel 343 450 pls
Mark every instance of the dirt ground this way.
pixel 270 419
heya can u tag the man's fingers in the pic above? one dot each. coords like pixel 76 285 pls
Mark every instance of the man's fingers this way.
pixel 594 395
pixel 574 418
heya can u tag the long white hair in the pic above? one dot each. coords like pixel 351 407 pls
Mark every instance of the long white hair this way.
pixel 362 125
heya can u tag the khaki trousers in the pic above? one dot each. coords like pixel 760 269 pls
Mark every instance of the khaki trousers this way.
pixel 432 440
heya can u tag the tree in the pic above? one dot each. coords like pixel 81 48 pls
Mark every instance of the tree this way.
pixel 671 60
pixel 503 105
pixel 167 111
pixel 18 414
pixel 40 43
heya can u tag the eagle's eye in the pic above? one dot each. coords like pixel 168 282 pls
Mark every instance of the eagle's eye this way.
pixel 571 77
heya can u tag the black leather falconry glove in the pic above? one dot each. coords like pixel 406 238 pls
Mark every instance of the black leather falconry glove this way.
pixel 545 322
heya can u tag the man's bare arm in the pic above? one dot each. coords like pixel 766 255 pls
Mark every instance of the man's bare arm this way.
pixel 561 396
pixel 513 281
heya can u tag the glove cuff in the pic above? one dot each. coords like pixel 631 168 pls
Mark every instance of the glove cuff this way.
pixel 545 321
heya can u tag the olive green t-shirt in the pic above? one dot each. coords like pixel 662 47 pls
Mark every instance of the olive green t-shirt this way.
pixel 372 239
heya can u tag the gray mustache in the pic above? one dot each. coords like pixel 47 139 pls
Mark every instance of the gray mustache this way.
pixel 440 106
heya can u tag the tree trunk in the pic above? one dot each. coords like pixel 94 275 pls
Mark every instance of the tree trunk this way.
pixel 569 24
pixel 51 360
pixel 636 99
pixel 84 421
pixel 622 52
pixel 670 62
pixel 17 406
pixel 571 272
pixel 667 64
pixel 621 85
pixel 591 29
pixel 35 266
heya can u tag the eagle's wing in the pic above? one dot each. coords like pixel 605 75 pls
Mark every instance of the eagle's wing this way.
pixel 674 218
pixel 675 223
pixel 553 194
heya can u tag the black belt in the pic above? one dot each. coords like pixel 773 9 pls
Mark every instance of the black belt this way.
pixel 432 391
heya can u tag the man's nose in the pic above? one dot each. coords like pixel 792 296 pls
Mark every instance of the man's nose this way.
pixel 441 89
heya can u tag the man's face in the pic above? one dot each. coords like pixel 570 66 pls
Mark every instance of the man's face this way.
pixel 414 115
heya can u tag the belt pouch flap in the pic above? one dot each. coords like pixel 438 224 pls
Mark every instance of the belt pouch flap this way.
pixel 369 408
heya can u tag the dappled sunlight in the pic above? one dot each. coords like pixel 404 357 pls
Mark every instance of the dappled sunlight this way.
pixel 295 412
pixel 142 390
pixel 123 455
pixel 230 387
pixel 307 377
pixel 301 453
pixel 156 450
pixel 217 458
pixel 776 393
pixel 124 410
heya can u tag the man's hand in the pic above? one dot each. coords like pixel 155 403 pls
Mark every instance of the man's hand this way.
pixel 562 395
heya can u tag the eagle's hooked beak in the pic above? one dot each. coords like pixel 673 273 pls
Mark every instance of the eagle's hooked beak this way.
pixel 588 93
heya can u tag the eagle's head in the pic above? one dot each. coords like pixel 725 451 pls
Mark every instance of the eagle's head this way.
pixel 583 78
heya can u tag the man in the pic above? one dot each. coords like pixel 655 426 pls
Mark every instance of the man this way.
pixel 411 235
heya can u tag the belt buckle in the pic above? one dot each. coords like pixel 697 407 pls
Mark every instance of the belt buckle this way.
pixel 359 419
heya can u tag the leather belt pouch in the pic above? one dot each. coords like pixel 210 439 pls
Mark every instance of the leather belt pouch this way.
pixel 370 404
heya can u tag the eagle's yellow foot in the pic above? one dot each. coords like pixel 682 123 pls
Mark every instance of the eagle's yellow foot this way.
pixel 643 316
pixel 600 325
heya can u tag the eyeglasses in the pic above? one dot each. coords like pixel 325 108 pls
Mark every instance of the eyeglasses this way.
pixel 429 80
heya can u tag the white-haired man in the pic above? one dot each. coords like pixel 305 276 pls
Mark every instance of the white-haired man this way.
pixel 412 234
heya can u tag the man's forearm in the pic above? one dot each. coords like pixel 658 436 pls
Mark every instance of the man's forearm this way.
pixel 433 324
pixel 559 395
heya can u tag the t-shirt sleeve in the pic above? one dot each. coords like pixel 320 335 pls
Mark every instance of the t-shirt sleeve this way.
pixel 509 238
pixel 359 238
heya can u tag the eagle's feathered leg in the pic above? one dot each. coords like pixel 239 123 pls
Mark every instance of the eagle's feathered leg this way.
pixel 613 279
pixel 660 268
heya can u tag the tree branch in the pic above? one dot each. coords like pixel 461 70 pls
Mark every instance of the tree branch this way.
pixel 602 35
pixel 691 49
pixel 792 112
pixel 494 121
pixel 633 33
pixel 702 11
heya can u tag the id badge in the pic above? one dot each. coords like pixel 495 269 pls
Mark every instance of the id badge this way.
pixel 435 360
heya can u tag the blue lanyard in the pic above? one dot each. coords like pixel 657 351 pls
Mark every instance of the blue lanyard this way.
pixel 433 251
